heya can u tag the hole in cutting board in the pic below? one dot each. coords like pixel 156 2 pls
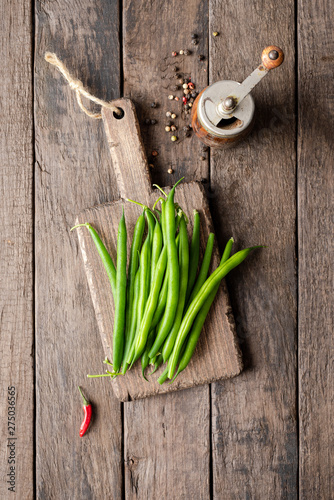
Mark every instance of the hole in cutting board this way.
pixel 120 115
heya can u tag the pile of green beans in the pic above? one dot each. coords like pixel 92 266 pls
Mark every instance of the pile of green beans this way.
pixel 162 300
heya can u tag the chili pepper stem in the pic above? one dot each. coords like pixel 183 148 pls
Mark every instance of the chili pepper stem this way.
pixel 86 403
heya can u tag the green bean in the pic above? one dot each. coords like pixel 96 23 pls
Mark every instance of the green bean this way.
pixel 161 304
pixel 119 319
pixel 144 358
pixel 133 267
pixel 105 257
pixel 227 251
pixel 194 254
pixel 196 329
pixel 164 376
pixel 156 249
pixel 146 322
pixel 143 291
pixel 158 362
pixel 173 275
pixel 132 331
pixel 184 268
pixel 163 295
pixel 203 272
pixel 198 302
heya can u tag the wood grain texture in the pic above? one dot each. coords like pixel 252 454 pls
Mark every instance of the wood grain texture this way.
pixel 254 427
pixel 315 244
pixel 73 170
pixel 217 355
pixel 164 458
pixel 151 31
pixel 16 247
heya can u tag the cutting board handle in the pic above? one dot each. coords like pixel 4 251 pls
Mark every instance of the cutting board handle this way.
pixel 127 151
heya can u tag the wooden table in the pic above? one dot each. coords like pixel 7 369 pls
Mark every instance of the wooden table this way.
pixel 268 433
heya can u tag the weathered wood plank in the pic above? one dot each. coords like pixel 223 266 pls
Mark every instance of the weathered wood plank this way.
pixel 254 416
pixel 16 252
pixel 315 244
pixel 151 32
pixel 73 170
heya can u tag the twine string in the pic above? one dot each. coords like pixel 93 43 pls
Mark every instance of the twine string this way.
pixel 79 89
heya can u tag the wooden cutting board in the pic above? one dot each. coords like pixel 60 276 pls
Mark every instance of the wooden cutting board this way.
pixel 217 354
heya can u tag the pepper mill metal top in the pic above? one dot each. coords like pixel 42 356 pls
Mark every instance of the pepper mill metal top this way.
pixel 223 113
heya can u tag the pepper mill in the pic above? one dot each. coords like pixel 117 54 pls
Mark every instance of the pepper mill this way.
pixel 223 113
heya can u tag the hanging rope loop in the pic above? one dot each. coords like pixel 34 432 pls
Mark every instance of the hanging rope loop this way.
pixel 79 89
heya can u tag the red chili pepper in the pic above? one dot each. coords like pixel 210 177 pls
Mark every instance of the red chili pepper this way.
pixel 87 408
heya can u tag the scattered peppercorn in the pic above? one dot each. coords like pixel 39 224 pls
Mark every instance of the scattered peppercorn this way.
pixel 193 95
pixel 184 100
pixel 187 134
pixel 173 115
pixel 176 98
pixel 175 87
pixel 185 85
pixel 181 81
pixel 194 35
pixel 186 91
pixel 170 97
pixel 176 68
pixel 205 149
pixel 215 33
pixel 170 171
pixel 186 128
pixel 194 41
pixel 154 153
pixel 187 52
pixel 168 114
pixel 173 128
pixel 153 122
pixel 153 104
pixel 190 104
pixel 186 106
pixel 173 138
pixel 174 54
pixel 191 85
pixel 147 121
pixel 202 158
pixel 181 52
pixel 167 128
pixel 201 57
pixel 151 165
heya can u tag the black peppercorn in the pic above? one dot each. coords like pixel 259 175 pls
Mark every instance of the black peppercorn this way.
pixel 147 121
pixel 193 95
pixel 175 87
pixel 176 68
pixel 186 52
pixel 153 105
pixel 153 122
pixel 205 149
pixel 194 35
pixel 201 57
pixel 186 107
pixel 194 41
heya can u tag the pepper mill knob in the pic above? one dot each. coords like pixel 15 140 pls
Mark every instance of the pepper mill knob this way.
pixel 272 57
